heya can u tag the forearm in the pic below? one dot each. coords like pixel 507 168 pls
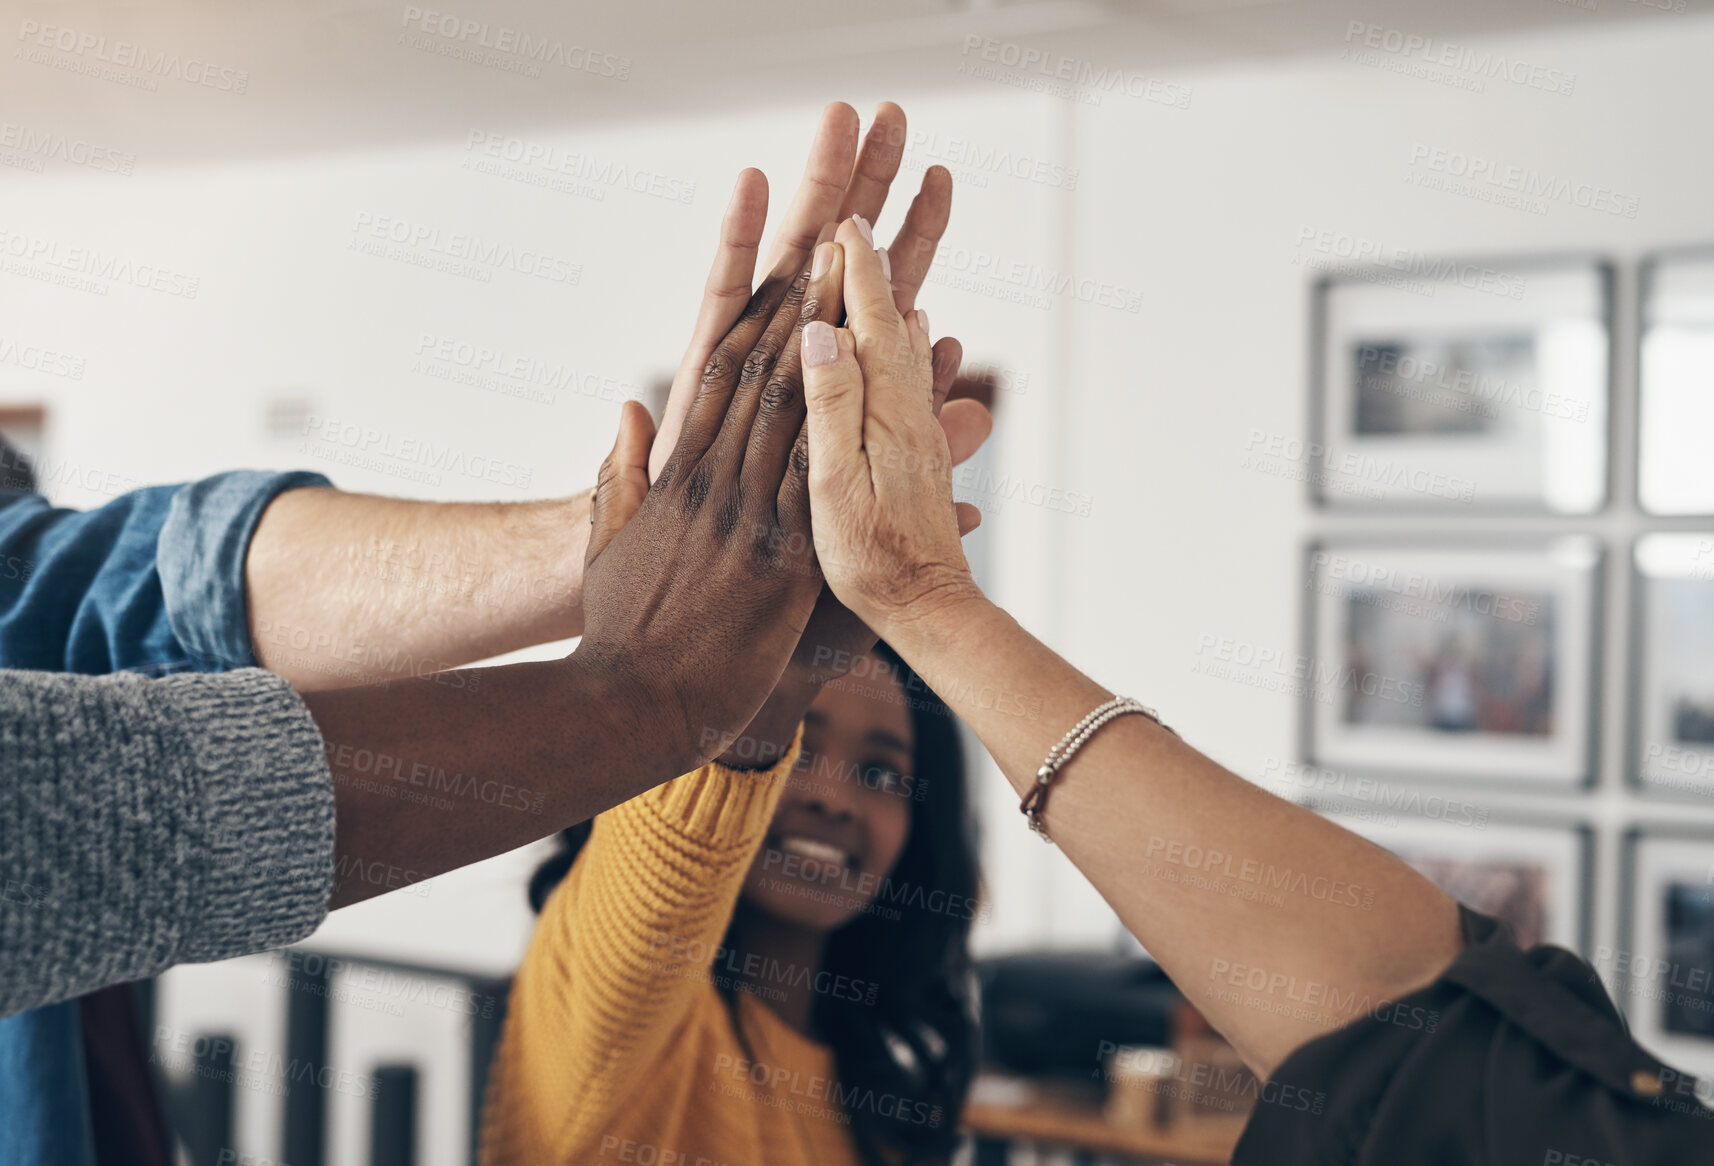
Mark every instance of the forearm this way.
pixel 153 822
pixel 432 774
pixel 346 589
pixel 1275 923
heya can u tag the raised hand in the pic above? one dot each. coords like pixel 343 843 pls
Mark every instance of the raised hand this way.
pixel 838 181
pixel 880 467
pixel 697 588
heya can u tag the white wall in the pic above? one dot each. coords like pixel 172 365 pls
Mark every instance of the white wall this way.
pixel 1205 207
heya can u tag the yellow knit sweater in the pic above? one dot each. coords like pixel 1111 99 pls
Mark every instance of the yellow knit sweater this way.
pixel 617 1046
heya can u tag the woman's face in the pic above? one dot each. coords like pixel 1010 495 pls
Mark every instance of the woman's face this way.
pixel 846 811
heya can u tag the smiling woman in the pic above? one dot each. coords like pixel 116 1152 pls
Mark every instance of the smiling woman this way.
pixel 748 966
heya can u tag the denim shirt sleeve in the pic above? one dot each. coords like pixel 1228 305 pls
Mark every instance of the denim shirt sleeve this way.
pixel 153 581
pixel 202 549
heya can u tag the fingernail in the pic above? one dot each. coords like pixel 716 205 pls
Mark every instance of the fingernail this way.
pixel 823 261
pixel 864 230
pixel 820 345
pixel 886 265
pixel 922 321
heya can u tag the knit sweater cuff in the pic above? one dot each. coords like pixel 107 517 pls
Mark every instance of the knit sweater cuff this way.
pixel 720 807
pixel 268 814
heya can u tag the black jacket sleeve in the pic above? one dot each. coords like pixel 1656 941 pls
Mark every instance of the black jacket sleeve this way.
pixel 1511 1058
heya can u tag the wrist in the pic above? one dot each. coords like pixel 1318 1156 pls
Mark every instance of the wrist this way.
pixel 935 621
pixel 770 733
pixel 559 529
pixel 646 723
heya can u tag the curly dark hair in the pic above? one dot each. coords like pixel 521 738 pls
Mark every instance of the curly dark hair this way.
pixel 916 1044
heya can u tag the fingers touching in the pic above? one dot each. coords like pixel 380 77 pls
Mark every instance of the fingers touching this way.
pixel 723 298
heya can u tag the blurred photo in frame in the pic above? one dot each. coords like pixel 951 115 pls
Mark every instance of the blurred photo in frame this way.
pixel 1674 649
pixel 1528 874
pixel 1675 380
pixel 1455 385
pixel 1461 661
pixel 1667 963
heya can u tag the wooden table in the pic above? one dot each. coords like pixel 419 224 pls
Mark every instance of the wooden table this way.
pixel 1069 1117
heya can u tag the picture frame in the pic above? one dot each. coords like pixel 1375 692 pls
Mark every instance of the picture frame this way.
pixel 1665 968
pixel 1459 386
pixel 1534 874
pixel 1458 660
pixel 1675 382
pixel 1672 713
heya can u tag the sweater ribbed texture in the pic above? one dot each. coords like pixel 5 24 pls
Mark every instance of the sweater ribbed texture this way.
pixel 145 823
pixel 617 1045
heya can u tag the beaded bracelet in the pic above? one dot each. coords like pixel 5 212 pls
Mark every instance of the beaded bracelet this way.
pixel 1057 758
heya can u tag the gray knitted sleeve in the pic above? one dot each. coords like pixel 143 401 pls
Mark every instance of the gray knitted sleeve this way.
pixel 145 823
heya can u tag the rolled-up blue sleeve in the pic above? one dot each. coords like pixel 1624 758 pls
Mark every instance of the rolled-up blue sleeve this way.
pixel 203 545
pixel 153 581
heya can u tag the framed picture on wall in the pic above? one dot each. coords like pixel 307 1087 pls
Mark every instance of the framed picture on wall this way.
pixel 1534 876
pixel 1674 680
pixel 1667 965
pixel 1675 378
pixel 1458 385
pixel 1463 661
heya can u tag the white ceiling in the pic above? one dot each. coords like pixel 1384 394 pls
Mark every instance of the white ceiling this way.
pixel 336 75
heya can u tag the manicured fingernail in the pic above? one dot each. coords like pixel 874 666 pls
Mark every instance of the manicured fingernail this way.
pixel 922 321
pixel 820 345
pixel 823 261
pixel 886 265
pixel 864 230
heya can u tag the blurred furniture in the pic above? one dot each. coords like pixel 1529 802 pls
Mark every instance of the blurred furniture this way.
pixel 1004 1112
pixel 201 1103
pixel 1063 1013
